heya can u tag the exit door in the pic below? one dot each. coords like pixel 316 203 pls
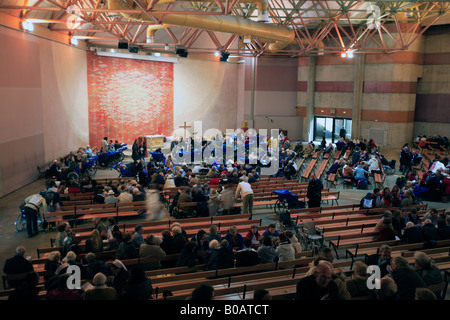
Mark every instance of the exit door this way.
pixel 331 128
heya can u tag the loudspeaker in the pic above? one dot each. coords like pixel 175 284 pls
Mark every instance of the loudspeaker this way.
pixel 133 49
pixel 224 56
pixel 123 45
pixel 181 52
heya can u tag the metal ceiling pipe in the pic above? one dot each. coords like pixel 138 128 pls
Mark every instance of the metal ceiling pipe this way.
pixel 151 29
pixel 262 6
pixel 281 35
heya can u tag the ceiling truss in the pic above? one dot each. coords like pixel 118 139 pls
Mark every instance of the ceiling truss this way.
pixel 320 27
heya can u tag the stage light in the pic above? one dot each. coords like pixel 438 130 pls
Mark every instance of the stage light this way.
pixel 74 41
pixel 217 53
pixel 28 26
pixel 343 55
pixel 350 54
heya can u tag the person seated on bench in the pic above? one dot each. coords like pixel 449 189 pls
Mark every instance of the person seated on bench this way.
pixel 319 285
pixel 334 168
pixel 289 171
pixel 407 200
pixel 426 268
pixel 271 232
pixel 388 289
pixel 328 149
pixel 407 280
pixel 347 173
pixel 284 248
pixel 185 197
pixel 341 145
pixel 357 284
pixel 266 251
pixel 253 234
pixel 386 232
pixel 309 149
pixel 298 147
pixel 203 292
pixel 382 259
pixel 235 239
pixel 247 256
pixel 443 229
pixel 360 175
pixel 294 241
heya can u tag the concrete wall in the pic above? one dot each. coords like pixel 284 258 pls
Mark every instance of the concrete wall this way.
pixel 380 91
pixel 206 91
pixel 270 95
pixel 43 105
pixel 433 88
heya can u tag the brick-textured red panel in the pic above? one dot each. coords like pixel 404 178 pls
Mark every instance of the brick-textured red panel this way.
pixel 128 98
pixel 334 86
pixel 390 87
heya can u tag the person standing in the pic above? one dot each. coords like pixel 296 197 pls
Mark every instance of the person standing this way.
pixel 105 146
pixel 314 192
pixel 32 207
pixel 245 190
pixel 135 150
pixel 16 265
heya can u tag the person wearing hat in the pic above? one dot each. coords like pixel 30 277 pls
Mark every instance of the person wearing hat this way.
pixel 245 190
pixel 120 276
pixel 137 239
pixel 111 198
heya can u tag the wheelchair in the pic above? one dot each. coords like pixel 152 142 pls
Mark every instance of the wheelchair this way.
pixel 311 237
pixel 286 200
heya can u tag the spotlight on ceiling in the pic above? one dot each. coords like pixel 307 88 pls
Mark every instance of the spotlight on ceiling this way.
pixel 224 56
pixel 343 55
pixel 74 41
pixel 350 54
pixel 27 26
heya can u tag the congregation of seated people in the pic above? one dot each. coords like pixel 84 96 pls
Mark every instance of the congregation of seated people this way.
pixel 210 248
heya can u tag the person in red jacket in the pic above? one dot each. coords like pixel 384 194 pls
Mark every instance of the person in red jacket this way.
pixel 386 232
pixel 253 234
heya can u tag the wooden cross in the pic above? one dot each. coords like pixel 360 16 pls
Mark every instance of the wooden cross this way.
pixel 185 127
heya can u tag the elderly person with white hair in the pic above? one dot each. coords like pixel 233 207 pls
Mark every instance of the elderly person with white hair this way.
pixel 425 267
pixel 100 291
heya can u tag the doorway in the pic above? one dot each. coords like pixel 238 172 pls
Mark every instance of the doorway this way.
pixel 331 128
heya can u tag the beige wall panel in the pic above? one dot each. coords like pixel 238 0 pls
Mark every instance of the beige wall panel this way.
pixel 334 72
pixel 203 90
pixel 389 101
pixel 333 99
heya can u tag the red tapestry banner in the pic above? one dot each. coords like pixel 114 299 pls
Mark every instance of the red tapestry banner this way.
pixel 128 98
